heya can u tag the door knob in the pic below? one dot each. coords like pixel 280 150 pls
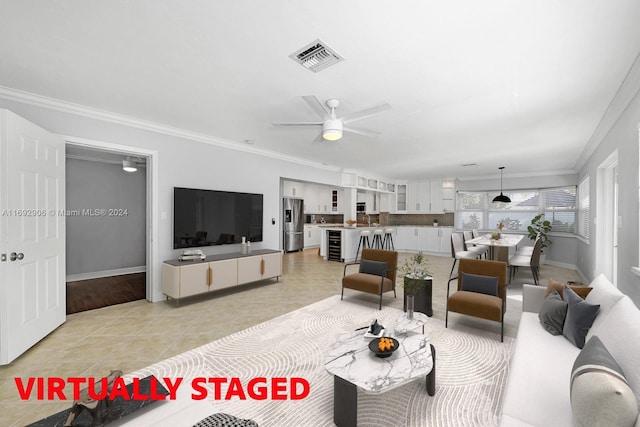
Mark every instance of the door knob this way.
pixel 14 256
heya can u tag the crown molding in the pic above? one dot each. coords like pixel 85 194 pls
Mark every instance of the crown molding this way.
pixel 121 119
pixel 519 175
pixel 621 100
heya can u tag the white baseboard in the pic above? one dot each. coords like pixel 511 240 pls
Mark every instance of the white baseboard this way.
pixel 561 264
pixel 106 273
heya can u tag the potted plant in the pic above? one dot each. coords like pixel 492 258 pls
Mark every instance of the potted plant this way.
pixel 435 222
pixel 540 227
pixel 417 284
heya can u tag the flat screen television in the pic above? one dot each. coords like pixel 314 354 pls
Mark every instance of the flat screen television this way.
pixel 208 217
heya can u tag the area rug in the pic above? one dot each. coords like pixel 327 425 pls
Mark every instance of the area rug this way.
pixel 471 372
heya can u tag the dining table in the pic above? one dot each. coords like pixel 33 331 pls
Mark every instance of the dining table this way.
pixel 498 248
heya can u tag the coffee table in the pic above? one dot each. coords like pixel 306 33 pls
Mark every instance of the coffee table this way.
pixel 404 324
pixel 354 367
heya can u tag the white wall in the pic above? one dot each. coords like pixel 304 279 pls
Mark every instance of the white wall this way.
pixel 624 138
pixel 112 242
pixel 186 163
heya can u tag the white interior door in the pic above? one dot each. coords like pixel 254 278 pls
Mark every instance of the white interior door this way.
pixel 33 295
pixel 607 219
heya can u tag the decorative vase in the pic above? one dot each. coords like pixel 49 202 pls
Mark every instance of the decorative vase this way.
pixel 410 299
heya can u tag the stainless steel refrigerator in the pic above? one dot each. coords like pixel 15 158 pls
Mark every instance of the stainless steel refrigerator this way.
pixel 293 225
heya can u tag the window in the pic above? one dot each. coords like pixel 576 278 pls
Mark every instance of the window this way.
pixel 560 208
pixel 583 208
pixel 475 209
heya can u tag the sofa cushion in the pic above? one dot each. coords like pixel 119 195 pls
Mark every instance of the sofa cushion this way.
pixel 367 283
pixel 554 285
pixel 620 333
pixel 377 268
pixel 605 294
pixel 600 394
pixel 482 284
pixel 537 391
pixel 580 317
pixel 552 313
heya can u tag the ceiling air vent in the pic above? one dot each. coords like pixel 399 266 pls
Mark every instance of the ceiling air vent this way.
pixel 316 56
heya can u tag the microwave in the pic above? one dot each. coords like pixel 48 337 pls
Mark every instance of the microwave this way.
pixel 361 207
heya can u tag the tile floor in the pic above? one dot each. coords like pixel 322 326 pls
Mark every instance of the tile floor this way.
pixel 133 335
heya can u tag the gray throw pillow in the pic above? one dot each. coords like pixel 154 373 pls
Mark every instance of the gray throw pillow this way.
pixel 377 268
pixel 480 284
pixel 580 317
pixel 553 313
pixel 600 394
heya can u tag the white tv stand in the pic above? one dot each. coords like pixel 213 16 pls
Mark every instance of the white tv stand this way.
pixel 181 279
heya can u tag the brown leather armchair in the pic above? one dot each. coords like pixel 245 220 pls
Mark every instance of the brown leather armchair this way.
pixel 475 303
pixel 377 283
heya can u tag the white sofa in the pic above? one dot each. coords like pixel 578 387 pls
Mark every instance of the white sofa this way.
pixel 538 387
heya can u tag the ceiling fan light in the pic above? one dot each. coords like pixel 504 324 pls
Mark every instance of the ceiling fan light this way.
pixel 129 166
pixel 332 130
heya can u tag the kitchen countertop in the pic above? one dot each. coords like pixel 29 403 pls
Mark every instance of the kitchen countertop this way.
pixel 365 227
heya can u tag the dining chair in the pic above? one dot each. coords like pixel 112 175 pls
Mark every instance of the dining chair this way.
pixel 532 261
pixel 458 252
pixel 477 249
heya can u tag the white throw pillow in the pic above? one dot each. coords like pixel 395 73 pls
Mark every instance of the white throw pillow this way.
pixel 600 394
pixel 620 334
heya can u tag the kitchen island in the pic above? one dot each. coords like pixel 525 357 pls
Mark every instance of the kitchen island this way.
pixel 406 238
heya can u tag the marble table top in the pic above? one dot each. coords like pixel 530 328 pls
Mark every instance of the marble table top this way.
pixel 504 240
pixel 351 360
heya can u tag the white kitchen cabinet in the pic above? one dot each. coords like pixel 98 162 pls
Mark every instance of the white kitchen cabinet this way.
pixel 418 197
pixel 293 189
pixel 430 197
pixel 311 236
pixel 445 239
pixel 319 199
pixel 431 240
pixel 436 204
pixel 401 198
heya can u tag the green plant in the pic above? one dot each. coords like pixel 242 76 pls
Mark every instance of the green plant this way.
pixel 540 227
pixel 416 269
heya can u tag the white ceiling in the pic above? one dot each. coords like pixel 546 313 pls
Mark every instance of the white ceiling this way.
pixel 521 84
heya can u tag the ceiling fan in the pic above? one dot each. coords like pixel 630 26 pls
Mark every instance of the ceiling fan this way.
pixel 332 126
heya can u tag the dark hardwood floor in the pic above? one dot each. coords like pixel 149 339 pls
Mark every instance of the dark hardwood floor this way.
pixel 95 293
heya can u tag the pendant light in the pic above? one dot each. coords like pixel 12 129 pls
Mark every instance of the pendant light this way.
pixel 501 198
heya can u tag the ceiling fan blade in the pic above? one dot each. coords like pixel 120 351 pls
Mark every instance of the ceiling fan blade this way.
pixel 363 114
pixel 317 106
pixel 364 132
pixel 297 123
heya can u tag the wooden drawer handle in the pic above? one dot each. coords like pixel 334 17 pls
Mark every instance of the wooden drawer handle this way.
pixel 209 276
pixel 262 267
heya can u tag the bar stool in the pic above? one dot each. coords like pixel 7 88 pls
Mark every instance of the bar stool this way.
pixel 364 241
pixel 387 242
pixel 377 238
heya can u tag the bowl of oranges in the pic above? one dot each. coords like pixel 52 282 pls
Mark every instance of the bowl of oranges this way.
pixel 384 347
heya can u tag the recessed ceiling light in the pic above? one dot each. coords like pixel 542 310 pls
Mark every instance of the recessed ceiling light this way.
pixel 249 141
